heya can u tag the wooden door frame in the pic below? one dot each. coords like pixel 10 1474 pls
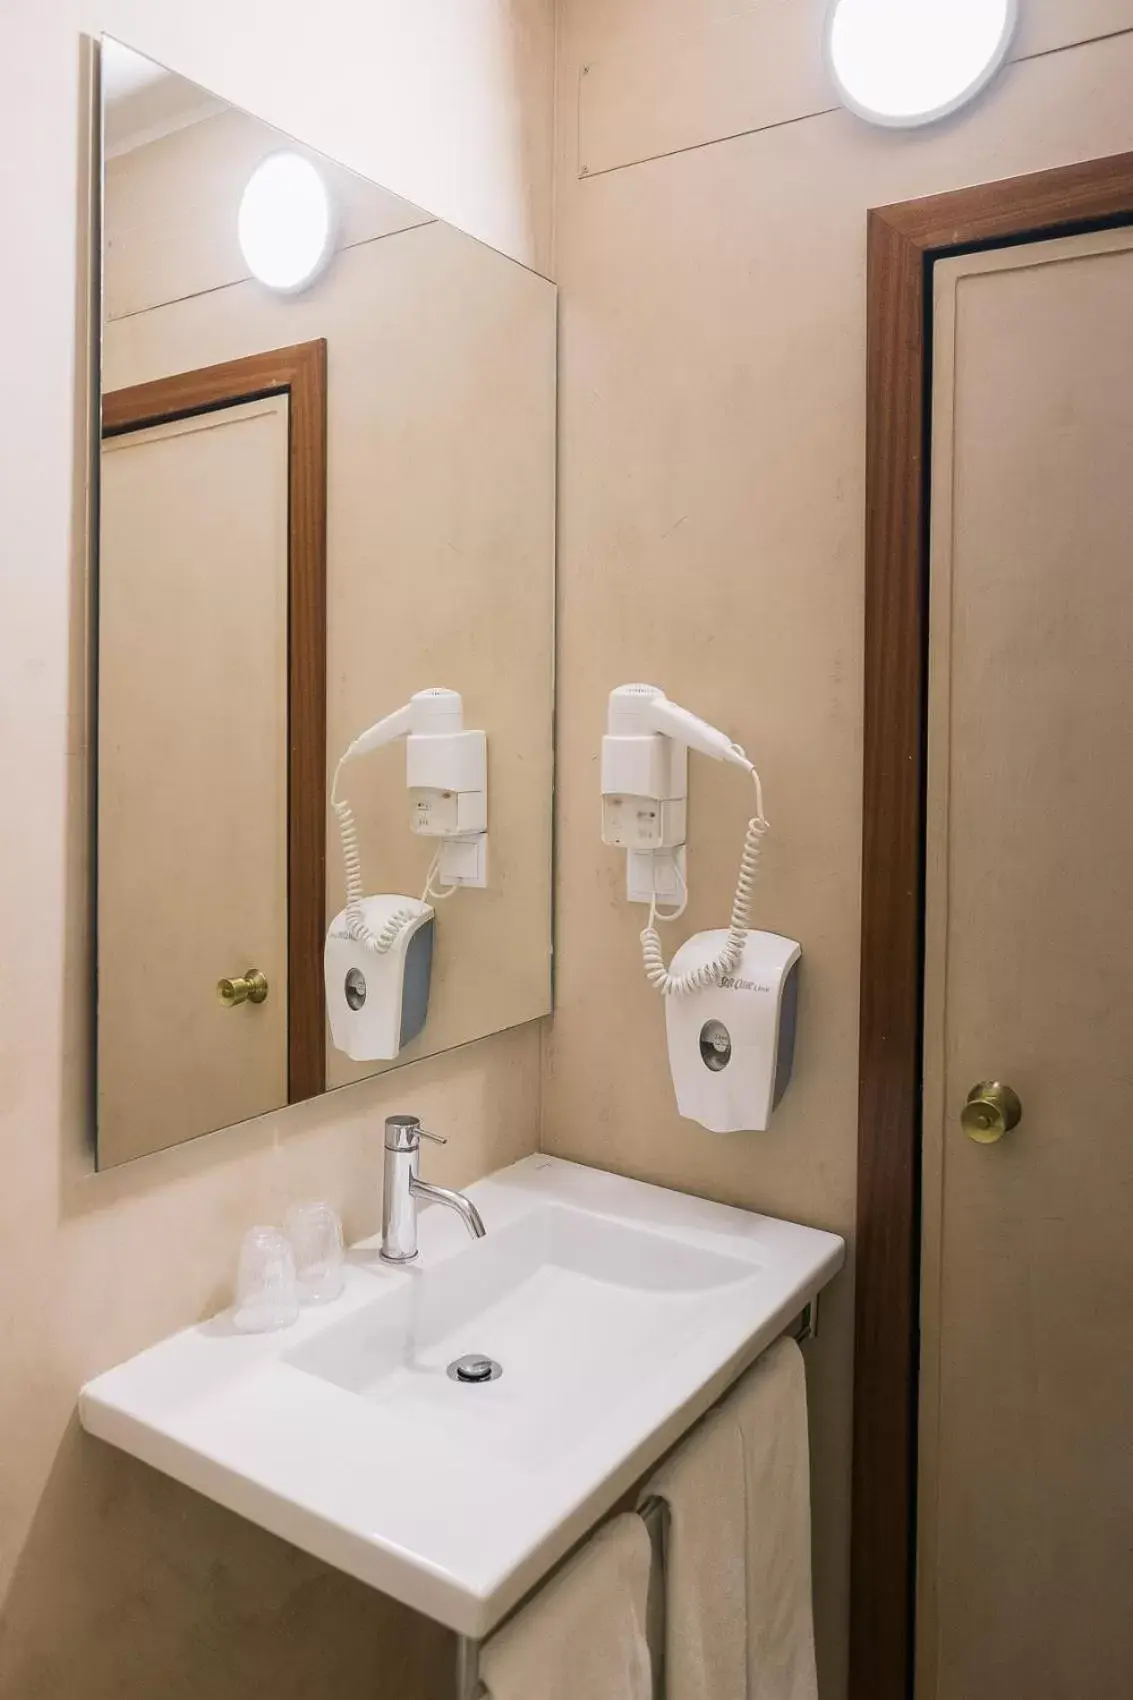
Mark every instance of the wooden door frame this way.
pixel 299 372
pixel 904 242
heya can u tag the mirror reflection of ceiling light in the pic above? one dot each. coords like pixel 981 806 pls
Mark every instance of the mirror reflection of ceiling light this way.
pixel 284 224
pixel 907 62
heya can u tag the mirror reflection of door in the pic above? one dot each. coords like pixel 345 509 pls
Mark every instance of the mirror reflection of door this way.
pixel 211 730
pixel 192 773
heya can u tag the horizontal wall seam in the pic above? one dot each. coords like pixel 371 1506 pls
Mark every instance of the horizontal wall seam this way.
pixel 586 175
pixel 233 282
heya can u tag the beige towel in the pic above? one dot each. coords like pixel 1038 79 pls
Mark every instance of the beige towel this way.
pixel 583 1636
pixel 738 1605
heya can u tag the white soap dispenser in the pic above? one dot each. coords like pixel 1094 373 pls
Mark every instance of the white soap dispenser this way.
pixel 732 1042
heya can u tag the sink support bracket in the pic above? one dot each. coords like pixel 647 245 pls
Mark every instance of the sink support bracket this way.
pixel 468 1684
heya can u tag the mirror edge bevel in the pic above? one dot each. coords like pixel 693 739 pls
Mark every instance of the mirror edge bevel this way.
pixel 89 295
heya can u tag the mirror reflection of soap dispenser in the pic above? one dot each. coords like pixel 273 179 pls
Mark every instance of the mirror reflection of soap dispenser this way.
pixel 378 1003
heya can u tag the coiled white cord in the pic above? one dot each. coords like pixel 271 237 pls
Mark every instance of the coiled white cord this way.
pixel 728 959
pixel 379 942
pixel 430 893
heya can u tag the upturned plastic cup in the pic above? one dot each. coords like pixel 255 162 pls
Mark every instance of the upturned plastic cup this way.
pixel 267 1292
pixel 315 1232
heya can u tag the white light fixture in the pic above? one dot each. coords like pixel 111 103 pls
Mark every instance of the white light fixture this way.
pixel 907 62
pixel 284 224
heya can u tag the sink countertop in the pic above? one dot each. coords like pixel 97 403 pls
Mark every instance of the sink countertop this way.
pixel 619 1311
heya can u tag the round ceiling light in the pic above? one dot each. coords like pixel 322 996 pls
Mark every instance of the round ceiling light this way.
pixel 906 62
pixel 284 224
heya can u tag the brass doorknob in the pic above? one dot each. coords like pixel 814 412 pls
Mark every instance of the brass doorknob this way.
pixel 991 1111
pixel 251 987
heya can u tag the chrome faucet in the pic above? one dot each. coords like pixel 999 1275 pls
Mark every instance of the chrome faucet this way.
pixel 403 1186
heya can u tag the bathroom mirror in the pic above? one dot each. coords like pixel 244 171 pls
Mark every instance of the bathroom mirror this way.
pixel 325 484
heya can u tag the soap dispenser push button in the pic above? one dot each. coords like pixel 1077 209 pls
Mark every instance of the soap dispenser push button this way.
pixel 715 1045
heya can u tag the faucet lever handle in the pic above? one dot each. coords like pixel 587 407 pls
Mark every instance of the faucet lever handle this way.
pixel 404 1133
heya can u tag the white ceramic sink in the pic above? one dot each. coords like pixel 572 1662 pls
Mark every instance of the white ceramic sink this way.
pixel 577 1311
pixel 618 1312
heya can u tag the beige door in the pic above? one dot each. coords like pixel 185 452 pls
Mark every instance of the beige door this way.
pixel 192 806
pixel 1026 1462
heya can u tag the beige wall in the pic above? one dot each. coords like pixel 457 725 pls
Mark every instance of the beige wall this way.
pixel 113 1581
pixel 711 498
pixel 711 539
pixel 440 514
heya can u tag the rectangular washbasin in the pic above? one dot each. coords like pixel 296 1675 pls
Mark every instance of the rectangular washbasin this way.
pixel 615 1312
pixel 574 1311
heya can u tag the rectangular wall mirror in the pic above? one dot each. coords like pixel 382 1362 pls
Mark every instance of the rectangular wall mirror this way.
pixel 325 508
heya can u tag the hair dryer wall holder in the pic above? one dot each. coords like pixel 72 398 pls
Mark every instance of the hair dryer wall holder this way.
pixel 660 874
pixel 645 788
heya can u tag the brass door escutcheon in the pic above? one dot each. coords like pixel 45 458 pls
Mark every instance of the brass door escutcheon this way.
pixel 251 987
pixel 991 1111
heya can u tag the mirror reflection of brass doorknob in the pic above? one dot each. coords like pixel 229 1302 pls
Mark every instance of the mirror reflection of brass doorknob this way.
pixel 251 987
pixel 991 1111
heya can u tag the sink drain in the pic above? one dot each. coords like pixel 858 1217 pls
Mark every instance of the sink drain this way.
pixel 474 1367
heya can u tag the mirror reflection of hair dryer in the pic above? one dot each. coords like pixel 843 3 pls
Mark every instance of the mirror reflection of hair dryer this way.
pixel 377 963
